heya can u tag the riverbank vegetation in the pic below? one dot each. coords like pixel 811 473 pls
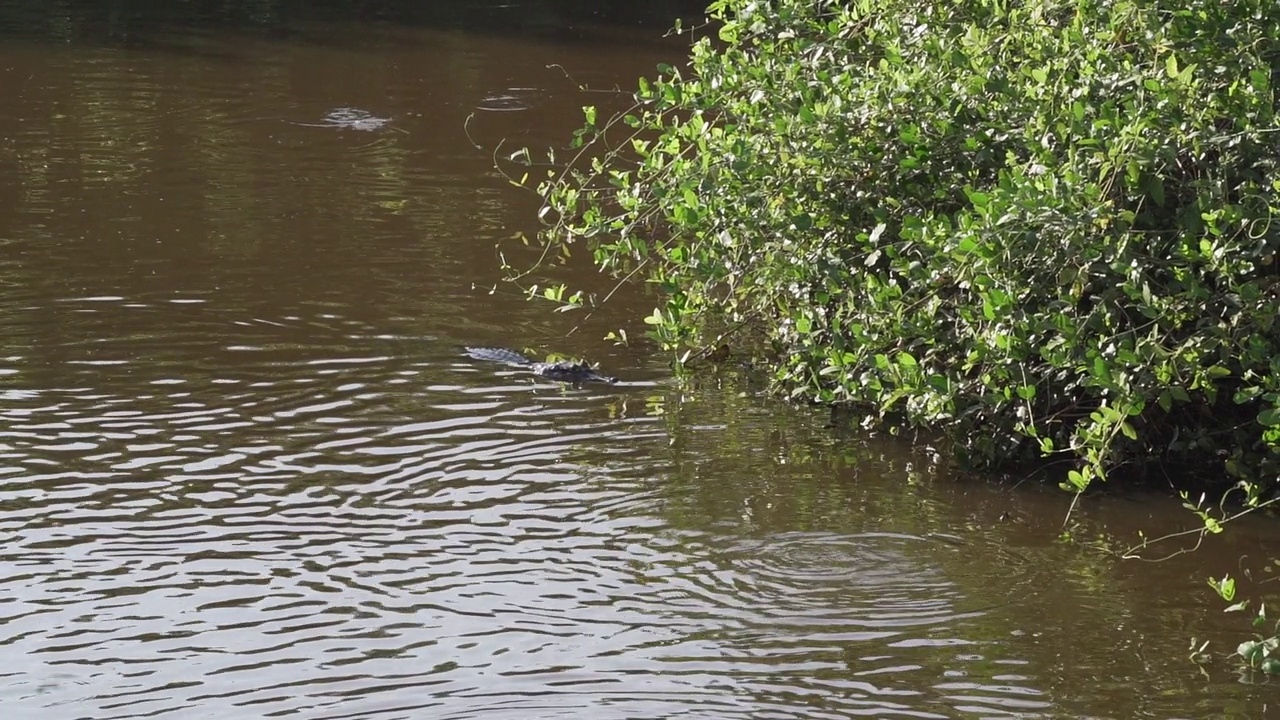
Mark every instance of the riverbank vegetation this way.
pixel 1045 229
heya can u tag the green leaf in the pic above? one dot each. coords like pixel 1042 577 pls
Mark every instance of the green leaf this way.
pixel 1155 188
pixel 1101 370
pixel 1226 589
pixel 1252 651
pixel 1128 431
pixel 979 199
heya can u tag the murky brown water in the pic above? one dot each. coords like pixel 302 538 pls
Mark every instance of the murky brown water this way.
pixel 245 472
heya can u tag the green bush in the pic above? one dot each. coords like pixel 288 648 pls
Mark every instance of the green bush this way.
pixel 1044 227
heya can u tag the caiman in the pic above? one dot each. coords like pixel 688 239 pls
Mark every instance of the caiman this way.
pixel 564 371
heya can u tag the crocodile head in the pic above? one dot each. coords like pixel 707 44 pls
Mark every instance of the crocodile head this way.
pixel 571 372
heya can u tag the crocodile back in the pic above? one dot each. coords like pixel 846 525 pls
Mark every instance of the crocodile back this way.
pixel 501 355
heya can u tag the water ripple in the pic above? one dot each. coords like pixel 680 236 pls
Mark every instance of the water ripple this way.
pixel 296 541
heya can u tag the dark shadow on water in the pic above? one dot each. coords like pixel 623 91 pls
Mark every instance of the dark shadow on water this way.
pixel 144 24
